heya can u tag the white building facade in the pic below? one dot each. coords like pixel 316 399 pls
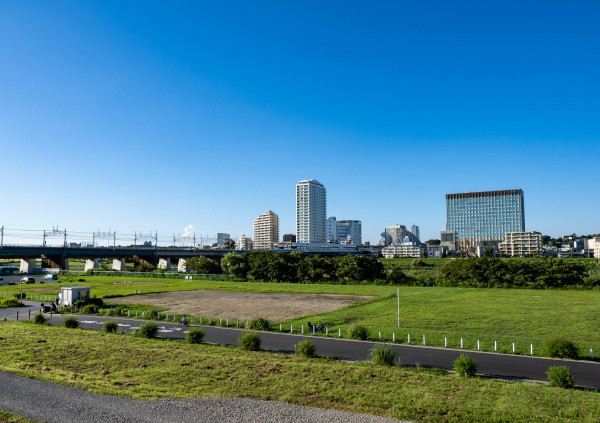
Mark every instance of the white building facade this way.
pixel 311 211
pixel 244 243
pixel 266 230
pixel 405 249
pixel 521 244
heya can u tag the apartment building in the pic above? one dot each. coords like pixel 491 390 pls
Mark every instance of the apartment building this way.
pixel 266 230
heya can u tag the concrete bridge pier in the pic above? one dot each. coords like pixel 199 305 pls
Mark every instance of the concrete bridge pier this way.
pixel 181 265
pixel 55 262
pixel 91 264
pixel 27 265
pixel 119 265
pixel 164 263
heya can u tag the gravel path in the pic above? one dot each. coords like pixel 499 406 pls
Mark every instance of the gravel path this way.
pixel 48 402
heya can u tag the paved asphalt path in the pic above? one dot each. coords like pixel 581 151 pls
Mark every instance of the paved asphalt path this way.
pixel 586 373
pixel 48 402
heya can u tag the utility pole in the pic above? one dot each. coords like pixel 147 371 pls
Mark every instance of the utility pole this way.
pixel 94 239
pixel 2 238
pixel 65 237
pixel 115 239
pixel 43 239
pixel 134 239
pixel 155 239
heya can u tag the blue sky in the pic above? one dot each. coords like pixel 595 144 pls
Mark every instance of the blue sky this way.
pixel 144 116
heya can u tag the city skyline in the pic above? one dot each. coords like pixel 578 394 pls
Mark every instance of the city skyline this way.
pixel 136 117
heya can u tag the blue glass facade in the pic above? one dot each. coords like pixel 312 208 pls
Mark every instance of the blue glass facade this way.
pixel 481 217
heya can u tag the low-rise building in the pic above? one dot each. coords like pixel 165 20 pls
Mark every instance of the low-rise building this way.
pixel 405 249
pixel 436 251
pixel 244 243
pixel 521 244
pixel 448 240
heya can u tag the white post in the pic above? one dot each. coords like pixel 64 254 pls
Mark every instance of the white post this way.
pixel 461 343
pixel 513 347
pixel 478 345
pixel 591 353
pixel 531 348
pixel 445 341
pixel 291 328
pixel 340 332
pixel 379 335
pixel 495 345
pixel 280 328
pixel 302 329
pixel 409 338
pixel 424 343
pixel 326 330
pixel 393 337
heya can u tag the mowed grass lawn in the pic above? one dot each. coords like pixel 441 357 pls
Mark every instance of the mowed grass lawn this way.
pixel 522 316
pixel 141 368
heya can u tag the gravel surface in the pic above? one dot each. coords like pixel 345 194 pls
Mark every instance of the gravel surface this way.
pixel 48 402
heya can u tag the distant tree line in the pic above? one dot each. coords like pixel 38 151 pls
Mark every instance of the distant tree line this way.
pixel 300 268
pixel 481 272
pixel 495 273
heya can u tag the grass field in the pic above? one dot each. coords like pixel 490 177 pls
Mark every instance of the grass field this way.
pixel 140 368
pixel 6 417
pixel 521 316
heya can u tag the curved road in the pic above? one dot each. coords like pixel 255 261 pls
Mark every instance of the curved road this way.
pixel 586 373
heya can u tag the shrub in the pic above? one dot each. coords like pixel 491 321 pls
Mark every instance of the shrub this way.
pixel 259 324
pixel 465 366
pixel 561 348
pixel 10 302
pixel 194 336
pixel 359 332
pixel 306 349
pixel 250 341
pixel 39 318
pixel 110 327
pixel 71 322
pixel 382 355
pixel 560 376
pixel 98 302
pixel 89 309
pixel 147 330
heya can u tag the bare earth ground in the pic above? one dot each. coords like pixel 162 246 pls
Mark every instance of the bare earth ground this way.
pixel 243 305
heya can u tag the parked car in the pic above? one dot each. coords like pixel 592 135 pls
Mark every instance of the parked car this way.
pixel 27 280
pixel 51 277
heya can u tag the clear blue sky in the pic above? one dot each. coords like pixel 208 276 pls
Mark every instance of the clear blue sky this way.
pixel 143 116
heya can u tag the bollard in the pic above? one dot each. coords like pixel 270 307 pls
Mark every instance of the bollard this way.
pixel 424 343
pixel 227 323
pixel 340 332
pixel 326 330
pixel 174 317
pixel 314 330
pixel 136 313
pixel 409 338
pixel 461 343
pixel 220 321
pixel 513 345
pixel 478 345
pixel 445 341
pixel 393 336
pixel 531 348
pixel 291 328
pixel 302 329
pixel 280 327
pixel 495 345
pixel 379 335
pixel 128 313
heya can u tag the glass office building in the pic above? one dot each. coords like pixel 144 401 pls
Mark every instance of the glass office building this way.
pixel 483 218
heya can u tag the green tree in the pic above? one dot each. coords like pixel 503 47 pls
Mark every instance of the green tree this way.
pixel 203 265
pixel 235 264
pixel 434 242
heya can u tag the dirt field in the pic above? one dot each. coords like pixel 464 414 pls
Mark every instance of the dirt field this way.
pixel 242 305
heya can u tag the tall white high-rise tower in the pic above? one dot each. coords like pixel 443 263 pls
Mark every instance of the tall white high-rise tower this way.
pixel 311 211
